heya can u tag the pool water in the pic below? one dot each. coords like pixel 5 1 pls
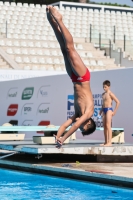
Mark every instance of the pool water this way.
pixel 16 185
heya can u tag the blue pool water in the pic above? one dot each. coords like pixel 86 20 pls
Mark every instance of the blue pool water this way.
pixel 25 186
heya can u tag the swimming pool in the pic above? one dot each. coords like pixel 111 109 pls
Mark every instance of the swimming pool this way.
pixel 16 185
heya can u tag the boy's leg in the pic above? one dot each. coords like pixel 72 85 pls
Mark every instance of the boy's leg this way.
pixel 77 64
pixel 104 129
pixel 108 127
pixel 59 37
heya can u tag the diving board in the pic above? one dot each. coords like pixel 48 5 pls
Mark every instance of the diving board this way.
pixel 46 139
pixel 30 128
pixel 43 128
pixel 117 133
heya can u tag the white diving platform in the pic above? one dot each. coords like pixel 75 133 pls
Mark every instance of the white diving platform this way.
pixel 46 144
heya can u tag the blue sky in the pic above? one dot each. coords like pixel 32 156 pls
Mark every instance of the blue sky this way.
pixel 127 2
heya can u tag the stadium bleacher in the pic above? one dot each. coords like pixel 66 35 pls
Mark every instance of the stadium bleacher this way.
pixel 30 41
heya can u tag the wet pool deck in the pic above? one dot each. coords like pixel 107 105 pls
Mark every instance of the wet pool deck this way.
pixel 118 174
pixel 110 165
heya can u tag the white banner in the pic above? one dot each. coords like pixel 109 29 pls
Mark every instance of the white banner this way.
pixel 6 75
pixel 49 99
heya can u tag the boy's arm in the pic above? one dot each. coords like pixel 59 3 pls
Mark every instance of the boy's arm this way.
pixel 116 101
pixel 100 112
pixel 74 127
pixel 65 125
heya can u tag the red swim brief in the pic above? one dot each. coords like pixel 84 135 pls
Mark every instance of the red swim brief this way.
pixel 79 79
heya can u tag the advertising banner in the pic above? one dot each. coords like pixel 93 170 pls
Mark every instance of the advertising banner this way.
pixel 49 100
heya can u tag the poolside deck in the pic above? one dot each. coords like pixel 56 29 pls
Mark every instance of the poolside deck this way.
pixel 118 174
pixel 79 159
pixel 76 147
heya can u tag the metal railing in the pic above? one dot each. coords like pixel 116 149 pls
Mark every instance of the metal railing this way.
pixel 112 43
pixel 96 36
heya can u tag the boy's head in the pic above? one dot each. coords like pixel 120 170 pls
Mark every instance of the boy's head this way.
pixel 88 127
pixel 106 85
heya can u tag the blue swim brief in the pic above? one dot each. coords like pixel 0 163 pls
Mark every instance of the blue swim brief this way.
pixel 105 110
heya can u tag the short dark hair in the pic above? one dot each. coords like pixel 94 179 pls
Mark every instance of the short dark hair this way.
pixel 107 82
pixel 91 128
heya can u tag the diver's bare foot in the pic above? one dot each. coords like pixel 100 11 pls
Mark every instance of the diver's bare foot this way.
pixel 108 145
pixel 55 13
pixel 50 17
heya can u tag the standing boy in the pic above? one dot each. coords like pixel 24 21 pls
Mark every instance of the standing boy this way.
pixel 108 112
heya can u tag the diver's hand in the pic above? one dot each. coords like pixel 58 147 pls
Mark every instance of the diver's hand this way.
pixel 58 141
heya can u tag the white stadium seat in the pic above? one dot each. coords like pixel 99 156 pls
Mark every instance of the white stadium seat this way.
pixel 39 52
pixel 31 41
pixel 27 68
pixel 34 60
pixel 18 59
pixel 41 60
pixel 93 63
pixel 49 61
pixel 9 51
pixel 9 43
pixel 56 61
